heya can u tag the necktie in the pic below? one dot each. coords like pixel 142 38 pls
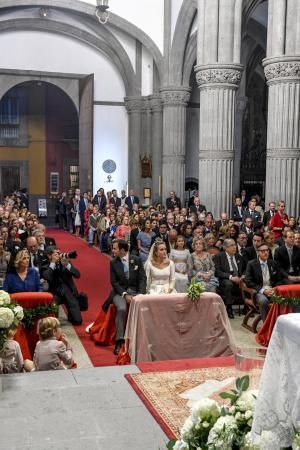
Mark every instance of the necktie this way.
pixel 132 198
pixel 234 268
pixel 264 269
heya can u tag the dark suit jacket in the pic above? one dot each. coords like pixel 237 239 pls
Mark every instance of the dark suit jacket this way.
pixel 60 277
pixel 116 201
pixel 236 214
pixel 222 268
pixel 102 205
pixel 267 217
pixel 283 261
pixel 255 216
pixel 82 206
pixel 254 277
pixel 172 203
pixel 129 203
pixel 41 261
pixel 49 241
pixel 120 283
pixel 195 209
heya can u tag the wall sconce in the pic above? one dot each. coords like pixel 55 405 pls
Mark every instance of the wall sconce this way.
pixel 101 11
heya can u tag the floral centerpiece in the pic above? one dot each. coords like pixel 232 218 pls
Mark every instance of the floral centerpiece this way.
pixel 227 427
pixel 195 289
pixel 10 316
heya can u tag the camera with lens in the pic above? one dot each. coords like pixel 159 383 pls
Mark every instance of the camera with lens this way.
pixel 68 255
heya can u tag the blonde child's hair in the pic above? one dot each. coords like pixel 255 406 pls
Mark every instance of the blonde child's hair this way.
pixel 11 333
pixel 47 326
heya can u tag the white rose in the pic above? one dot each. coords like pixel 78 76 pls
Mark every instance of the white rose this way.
pixel 187 427
pixel 246 401
pixel 248 414
pixel 18 312
pixel 206 408
pixel 6 317
pixel 4 298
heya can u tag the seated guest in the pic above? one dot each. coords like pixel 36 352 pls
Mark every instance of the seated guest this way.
pixel 269 214
pixel 144 239
pixel 241 243
pixel 247 227
pixel 173 201
pixel 181 257
pixel 162 234
pixel 123 230
pixel 13 242
pixel 229 270
pixel 210 243
pixel 251 212
pixel 197 207
pixel 270 241
pixel 251 251
pixel 233 232
pixel 172 238
pixel 59 275
pixel 37 259
pixel 287 257
pixel 4 261
pixel 203 268
pixel 134 231
pixel 187 233
pixel 238 210
pixel 222 222
pixel 21 277
pixel 53 351
pixel 160 271
pixel 297 239
pixel 262 274
pixel 128 278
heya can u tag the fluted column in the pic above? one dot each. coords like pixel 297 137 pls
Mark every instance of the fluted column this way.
pixel 157 144
pixel 174 100
pixel 241 105
pixel 218 73
pixel 283 140
pixel 218 84
pixel 134 106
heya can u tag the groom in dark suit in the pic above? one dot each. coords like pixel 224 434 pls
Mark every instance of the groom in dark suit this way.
pixel 128 278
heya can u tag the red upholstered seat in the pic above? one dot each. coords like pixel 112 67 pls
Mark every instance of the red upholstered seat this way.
pixel 28 338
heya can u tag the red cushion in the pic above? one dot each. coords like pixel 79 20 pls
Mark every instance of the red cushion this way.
pixel 32 299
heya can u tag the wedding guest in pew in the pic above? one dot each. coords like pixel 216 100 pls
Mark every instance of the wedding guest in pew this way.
pixel 263 274
pixel 20 277
pixel 181 257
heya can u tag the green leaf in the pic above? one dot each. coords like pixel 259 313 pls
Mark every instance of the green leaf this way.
pixel 238 384
pixel 245 381
pixel 170 444
pixel 225 395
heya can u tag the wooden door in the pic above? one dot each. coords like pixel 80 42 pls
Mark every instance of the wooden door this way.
pixel 10 179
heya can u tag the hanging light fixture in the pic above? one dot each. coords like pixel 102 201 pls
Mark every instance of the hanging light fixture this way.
pixel 101 11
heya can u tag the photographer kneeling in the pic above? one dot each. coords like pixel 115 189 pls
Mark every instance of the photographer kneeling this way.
pixel 60 275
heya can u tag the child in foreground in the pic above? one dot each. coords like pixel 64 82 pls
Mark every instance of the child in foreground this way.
pixel 11 358
pixel 53 351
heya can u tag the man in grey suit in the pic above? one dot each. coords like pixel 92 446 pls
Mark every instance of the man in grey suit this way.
pixel 128 278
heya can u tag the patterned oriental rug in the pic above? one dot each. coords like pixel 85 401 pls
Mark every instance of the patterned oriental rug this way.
pixel 167 395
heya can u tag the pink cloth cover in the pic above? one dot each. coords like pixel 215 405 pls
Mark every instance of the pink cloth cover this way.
pixel 171 326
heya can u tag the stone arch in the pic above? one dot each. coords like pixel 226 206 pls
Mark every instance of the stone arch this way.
pixel 190 58
pixel 11 79
pixel 120 60
pixel 88 11
pixel 180 39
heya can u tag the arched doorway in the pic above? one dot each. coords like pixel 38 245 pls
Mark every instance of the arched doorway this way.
pixel 39 139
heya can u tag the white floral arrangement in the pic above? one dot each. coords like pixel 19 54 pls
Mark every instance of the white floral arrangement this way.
pixel 10 316
pixel 227 427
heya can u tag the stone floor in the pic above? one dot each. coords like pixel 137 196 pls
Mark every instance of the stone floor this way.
pixel 92 408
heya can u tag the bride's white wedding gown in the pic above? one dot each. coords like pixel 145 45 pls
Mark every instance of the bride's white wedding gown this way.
pixel 160 281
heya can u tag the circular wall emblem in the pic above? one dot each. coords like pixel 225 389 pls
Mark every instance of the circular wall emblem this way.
pixel 109 166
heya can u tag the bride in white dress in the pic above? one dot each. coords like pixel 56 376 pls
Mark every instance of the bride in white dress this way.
pixel 160 270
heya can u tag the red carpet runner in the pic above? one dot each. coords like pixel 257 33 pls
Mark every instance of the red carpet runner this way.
pixel 94 281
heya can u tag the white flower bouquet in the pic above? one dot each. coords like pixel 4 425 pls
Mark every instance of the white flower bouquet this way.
pixel 227 427
pixel 10 316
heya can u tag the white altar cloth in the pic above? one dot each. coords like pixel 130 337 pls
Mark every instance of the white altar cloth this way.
pixel 278 403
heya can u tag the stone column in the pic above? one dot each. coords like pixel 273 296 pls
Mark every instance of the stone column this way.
pixel 218 84
pixel 241 105
pixel 157 145
pixel 134 106
pixel 282 71
pixel 218 73
pixel 174 100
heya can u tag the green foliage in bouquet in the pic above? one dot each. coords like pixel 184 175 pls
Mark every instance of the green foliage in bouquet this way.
pixel 195 289
pixel 30 314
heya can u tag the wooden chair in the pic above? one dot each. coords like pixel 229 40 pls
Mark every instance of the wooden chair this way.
pixel 248 296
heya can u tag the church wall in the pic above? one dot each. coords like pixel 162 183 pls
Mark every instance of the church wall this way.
pixel 110 145
pixel 54 53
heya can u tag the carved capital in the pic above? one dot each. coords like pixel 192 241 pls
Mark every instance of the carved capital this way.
pixel 155 103
pixel 282 70
pixel 222 74
pixel 173 95
pixel 134 104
